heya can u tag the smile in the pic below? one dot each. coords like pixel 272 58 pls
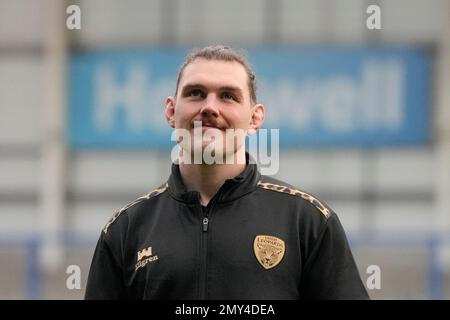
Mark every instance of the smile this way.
pixel 206 125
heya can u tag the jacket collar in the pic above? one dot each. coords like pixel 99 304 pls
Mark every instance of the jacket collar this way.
pixel 232 189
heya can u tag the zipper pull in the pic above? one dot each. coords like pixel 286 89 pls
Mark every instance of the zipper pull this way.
pixel 205 224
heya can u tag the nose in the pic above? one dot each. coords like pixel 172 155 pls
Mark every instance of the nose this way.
pixel 210 108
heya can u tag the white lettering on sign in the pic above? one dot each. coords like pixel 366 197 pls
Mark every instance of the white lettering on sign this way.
pixel 372 101
pixel 139 101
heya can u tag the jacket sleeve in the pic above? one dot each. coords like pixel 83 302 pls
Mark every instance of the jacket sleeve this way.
pixel 105 280
pixel 330 271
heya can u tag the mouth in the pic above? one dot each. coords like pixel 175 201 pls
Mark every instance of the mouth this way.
pixel 207 125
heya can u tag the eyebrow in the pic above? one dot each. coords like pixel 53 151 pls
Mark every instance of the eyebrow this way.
pixel 191 86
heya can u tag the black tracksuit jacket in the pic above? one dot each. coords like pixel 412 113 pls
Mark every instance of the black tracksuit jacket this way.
pixel 258 238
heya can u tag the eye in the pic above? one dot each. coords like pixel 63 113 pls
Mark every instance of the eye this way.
pixel 196 93
pixel 228 96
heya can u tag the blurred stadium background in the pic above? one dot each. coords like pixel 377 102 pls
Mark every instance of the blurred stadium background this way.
pixel 82 131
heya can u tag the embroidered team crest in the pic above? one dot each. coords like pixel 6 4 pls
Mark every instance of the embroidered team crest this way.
pixel 269 251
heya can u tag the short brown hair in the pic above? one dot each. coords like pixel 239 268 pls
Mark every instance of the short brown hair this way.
pixel 222 53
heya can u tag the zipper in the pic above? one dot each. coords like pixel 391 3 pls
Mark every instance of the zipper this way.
pixel 206 219
pixel 205 224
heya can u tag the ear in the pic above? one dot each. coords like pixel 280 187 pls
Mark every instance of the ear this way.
pixel 257 118
pixel 170 111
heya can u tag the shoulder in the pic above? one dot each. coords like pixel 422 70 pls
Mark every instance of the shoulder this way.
pixel 281 187
pixel 151 195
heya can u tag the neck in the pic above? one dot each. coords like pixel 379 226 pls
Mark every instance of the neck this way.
pixel 207 179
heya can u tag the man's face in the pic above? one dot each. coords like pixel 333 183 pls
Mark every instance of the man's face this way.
pixel 216 93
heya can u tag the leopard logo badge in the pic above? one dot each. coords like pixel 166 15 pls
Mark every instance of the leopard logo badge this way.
pixel 269 250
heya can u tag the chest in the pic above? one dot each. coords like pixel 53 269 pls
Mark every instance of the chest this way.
pixel 179 254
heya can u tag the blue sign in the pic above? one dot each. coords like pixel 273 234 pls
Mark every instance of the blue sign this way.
pixel 314 96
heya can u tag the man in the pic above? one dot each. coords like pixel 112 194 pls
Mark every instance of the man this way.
pixel 221 230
